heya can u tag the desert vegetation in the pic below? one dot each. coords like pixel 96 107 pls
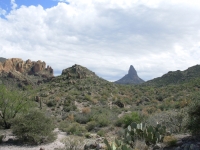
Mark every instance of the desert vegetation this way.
pixel 82 105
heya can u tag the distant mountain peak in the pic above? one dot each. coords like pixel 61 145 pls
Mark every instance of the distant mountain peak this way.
pixel 132 71
pixel 131 78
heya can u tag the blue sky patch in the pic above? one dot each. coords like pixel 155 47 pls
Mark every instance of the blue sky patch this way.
pixel 7 6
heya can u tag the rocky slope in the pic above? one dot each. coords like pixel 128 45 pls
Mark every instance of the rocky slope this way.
pixel 77 72
pixel 131 78
pixel 23 73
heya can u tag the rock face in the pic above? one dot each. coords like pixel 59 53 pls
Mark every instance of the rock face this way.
pixel 25 72
pixel 25 67
pixel 130 78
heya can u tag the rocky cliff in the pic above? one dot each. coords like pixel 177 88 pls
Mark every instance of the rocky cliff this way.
pixel 130 78
pixel 25 72
pixel 25 67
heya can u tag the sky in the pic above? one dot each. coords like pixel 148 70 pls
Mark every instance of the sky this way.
pixel 106 36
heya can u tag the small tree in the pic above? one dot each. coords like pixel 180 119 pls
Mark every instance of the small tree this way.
pixel 11 103
pixel 33 128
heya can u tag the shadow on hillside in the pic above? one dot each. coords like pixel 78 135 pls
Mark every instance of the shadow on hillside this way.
pixel 185 142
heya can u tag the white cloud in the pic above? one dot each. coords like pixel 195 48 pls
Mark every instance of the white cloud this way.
pixel 106 36
pixel 2 11
pixel 13 4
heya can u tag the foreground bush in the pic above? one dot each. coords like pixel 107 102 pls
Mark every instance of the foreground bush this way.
pixel 91 125
pixel 11 104
pixel 194 117
pixel 174 121
pixel 127 119
pixel 34 128
pixel 72 128
pixel 82 118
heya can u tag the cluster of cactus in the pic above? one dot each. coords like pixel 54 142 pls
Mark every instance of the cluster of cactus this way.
pixel 117 145
pixel 150 134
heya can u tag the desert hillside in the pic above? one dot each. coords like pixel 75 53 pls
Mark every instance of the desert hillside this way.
pixel 80 109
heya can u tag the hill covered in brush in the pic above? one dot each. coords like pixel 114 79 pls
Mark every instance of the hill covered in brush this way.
pixel 176 77
pixel 83 104
pixel 77 88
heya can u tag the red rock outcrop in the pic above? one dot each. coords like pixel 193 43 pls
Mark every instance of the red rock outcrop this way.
pixel 25 67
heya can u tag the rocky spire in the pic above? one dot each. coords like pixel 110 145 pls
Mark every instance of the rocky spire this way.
pixel 132 71
pixel 130 78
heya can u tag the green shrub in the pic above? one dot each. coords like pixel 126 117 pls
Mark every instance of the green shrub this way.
pixel 76 129
pixel 67 103
pixel 51 103
pixel 12 103
pixel 119 122
pixel 102 116
pixel 69 108
pixel 91 125
pixel 87 135
pixel 193 123
pixel 88 97
pixel 101 133
pixel 63 125
pixel 72 128
pixel 33 128
pixel 82 118
pixel 128 119
pixel 66 108
pixel 173 120
pixel 73 143
pixel 102 120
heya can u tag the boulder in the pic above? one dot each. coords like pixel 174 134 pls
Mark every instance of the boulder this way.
pixel 92 145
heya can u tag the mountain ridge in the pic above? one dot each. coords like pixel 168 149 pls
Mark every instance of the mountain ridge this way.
pixel 176 77
pixel 2 59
